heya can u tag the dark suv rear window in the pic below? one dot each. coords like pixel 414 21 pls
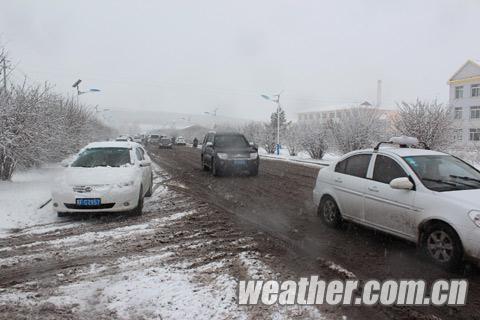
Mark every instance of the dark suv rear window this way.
pixel 231 141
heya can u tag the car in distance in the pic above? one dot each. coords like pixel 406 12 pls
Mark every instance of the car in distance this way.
pixel 228 153
pixel 427 197
pixel 138 139
pixel 165 143
pixel 154 139
pixel 104 177
pixel 180 141
pixel 124 138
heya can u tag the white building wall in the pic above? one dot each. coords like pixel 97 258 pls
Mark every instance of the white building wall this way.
pixel 466 77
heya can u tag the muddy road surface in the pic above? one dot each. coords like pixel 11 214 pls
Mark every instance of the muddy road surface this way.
pixel 278 202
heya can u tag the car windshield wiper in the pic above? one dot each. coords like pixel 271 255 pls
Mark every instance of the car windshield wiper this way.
pixel 455 184
pixel 465 178
pixel 441 181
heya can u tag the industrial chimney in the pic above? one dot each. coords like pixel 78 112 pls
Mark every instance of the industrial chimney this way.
pixel 379 93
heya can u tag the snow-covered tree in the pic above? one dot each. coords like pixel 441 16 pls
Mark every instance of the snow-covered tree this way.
pixel 269 138
pixel 39 126
pixel 313 138
pixel 358 128
pixel 429 122
pixel 270 130
pixel 292 138
pixel 253 131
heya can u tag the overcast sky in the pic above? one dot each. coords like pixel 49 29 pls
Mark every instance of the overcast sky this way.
pixel 194 56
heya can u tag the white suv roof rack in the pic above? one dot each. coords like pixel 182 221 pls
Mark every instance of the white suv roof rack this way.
pixel 402 142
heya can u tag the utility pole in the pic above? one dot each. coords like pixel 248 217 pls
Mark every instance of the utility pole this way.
pixel 379 93
pixel 277 101
pixel 4 71
pixel 213 114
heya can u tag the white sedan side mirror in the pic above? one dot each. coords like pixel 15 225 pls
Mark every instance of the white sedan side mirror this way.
pixel 145 163
pixel 401 183
pixel 65 163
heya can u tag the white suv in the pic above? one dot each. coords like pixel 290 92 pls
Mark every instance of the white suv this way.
pixel 427 197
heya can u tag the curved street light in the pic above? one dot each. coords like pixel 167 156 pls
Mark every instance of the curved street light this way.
pixel 275 98
pixel 76 85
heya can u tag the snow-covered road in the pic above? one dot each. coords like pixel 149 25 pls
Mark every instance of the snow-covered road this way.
pixel 180 260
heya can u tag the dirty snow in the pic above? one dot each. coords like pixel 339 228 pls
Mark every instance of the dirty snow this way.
pixel 302 157
pixel 22 197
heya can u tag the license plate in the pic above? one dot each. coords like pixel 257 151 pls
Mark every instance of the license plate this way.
pixel 240 162
pixel 88 202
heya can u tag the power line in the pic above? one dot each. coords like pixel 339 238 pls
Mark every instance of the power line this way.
pixel 201 89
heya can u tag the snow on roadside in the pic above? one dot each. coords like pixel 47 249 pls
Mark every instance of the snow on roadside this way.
pixel 301 157
pixel 153 291
pixel 21 198
pixel 157 287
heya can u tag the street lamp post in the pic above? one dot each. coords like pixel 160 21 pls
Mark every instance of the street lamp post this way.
pixel 79 92
pixel 214 114
pixel 276 98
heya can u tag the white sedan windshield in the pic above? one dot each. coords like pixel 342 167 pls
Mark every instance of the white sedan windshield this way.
pixel 103 157
pixel 444 172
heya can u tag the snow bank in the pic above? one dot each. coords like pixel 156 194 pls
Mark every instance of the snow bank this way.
pixel 20 199
pixel 301 157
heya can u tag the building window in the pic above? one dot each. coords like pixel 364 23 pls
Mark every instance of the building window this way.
pixel 475 90
pixel 457 134
pixel 324 115
pixel 331 115
pixel 458 113
pixel 475 112
pixel 475 134
pixel 459 92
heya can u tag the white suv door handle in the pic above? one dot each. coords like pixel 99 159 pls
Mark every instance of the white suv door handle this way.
pixel 373 189
pixel 338 180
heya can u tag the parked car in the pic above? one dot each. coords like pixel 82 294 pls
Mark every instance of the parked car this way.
pixel 104 177
pixel 138 139
pixel 165 143
pixel 229 152
pixel 427 197
pixel 124 138
pixel 180 141
pixel 154 139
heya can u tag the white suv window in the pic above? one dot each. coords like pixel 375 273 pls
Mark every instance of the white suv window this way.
pixel 387 169
pixel 139 154
pixel 356 165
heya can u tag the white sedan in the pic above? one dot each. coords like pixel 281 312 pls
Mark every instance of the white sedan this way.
pixel 427 197
pixel 105 176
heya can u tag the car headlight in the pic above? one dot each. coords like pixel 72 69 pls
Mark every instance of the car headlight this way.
pixel 222 156
pixel 475 216
pixel 125 184
pixel 253 155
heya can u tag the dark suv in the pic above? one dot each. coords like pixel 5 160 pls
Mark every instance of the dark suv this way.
pixel 229 152
pixel 165 142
